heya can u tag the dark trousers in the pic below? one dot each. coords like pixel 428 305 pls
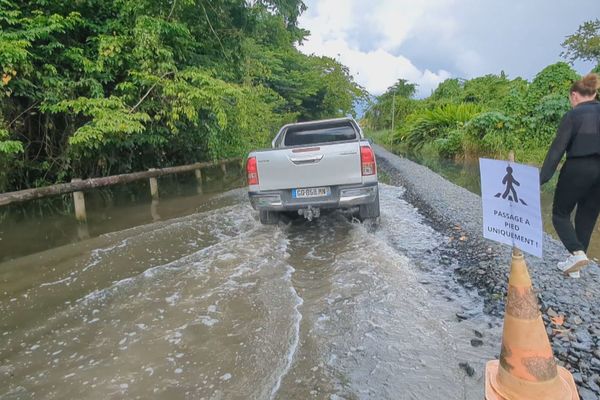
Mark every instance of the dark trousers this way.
pixel 578 185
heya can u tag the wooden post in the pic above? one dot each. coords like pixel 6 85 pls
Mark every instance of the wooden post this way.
pixel 515 251
pixel 393 120
pixel 224 168
pixel 154 210
pixel 82 231
pixel 79 201
pixel 153 186
pixel 198 173
pixel 393 111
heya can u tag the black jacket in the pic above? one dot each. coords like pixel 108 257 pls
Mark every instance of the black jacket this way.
pixel 578 135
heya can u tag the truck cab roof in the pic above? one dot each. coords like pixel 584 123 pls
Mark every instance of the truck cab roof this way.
pixel 336 129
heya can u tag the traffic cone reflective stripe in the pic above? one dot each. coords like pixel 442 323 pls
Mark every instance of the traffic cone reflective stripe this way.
pixel 526 369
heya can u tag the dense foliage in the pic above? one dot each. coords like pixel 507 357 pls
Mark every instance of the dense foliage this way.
pixel 488 115
pixel 98 87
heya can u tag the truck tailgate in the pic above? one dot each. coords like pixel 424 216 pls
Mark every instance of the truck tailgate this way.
pixel 311 166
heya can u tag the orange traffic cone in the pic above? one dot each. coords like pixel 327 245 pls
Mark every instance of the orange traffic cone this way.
pixel 526 369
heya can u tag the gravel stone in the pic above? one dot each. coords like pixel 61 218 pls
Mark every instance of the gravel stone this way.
pixel 586 394
pixel 465 366
pixel 593 386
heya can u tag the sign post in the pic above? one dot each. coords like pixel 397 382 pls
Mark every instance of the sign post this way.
pixel 510 194
pixel 516 252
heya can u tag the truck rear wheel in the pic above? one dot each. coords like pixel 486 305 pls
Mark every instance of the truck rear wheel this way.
pixel 369 211
pixel 268 217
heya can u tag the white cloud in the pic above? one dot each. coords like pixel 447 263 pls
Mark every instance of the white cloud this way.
pixel 378 69
pixel 398 20
pixel 426 41
pixel 364 37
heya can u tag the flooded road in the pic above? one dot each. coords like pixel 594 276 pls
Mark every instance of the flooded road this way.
pixel 213 305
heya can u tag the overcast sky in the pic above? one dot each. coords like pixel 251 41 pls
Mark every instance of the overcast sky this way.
pixel 427 41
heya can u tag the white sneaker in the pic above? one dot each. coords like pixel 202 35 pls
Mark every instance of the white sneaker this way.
pixel 574 263
pixel 575 275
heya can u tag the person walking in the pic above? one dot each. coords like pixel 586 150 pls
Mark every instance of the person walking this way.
pixel 579 179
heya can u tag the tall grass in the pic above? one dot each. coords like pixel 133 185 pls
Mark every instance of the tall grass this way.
pixel 428 125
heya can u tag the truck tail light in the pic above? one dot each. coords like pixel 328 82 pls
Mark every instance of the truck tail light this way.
pixel 367 161
pixel 252 171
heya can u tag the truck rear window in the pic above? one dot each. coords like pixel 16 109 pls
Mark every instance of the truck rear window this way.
pixel 319 133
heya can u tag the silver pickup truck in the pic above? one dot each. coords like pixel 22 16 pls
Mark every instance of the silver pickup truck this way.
pixel 312 166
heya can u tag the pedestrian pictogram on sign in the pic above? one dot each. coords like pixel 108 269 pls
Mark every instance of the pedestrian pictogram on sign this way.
pixel 510 194
pixel 510 183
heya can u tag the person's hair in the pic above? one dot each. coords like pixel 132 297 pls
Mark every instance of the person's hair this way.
pixel 587 86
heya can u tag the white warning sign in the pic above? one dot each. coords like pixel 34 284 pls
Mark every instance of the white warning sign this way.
pixel 512 213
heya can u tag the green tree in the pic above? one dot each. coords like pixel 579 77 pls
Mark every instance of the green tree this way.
pixel 584 44
pixel 488 91
pixel 450 90
pixel 94 87
pixel 555 79
pixel 397 101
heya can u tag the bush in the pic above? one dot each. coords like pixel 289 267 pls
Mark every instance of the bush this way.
pixel 425 126
pixel 488 91
pixel 451 90
pixel 490 133
pixel 451 145
pixel 541 126
pixel 515 102
pixel 554 79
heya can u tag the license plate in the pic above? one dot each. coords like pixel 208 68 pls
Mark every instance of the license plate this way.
pixel 310 192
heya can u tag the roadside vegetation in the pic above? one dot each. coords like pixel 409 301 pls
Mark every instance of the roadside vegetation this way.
pixel 92 88
pixel 484 116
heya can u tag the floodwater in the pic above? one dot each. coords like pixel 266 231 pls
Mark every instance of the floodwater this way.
pixel 466 174
pixel 213 305
pixel 39 225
